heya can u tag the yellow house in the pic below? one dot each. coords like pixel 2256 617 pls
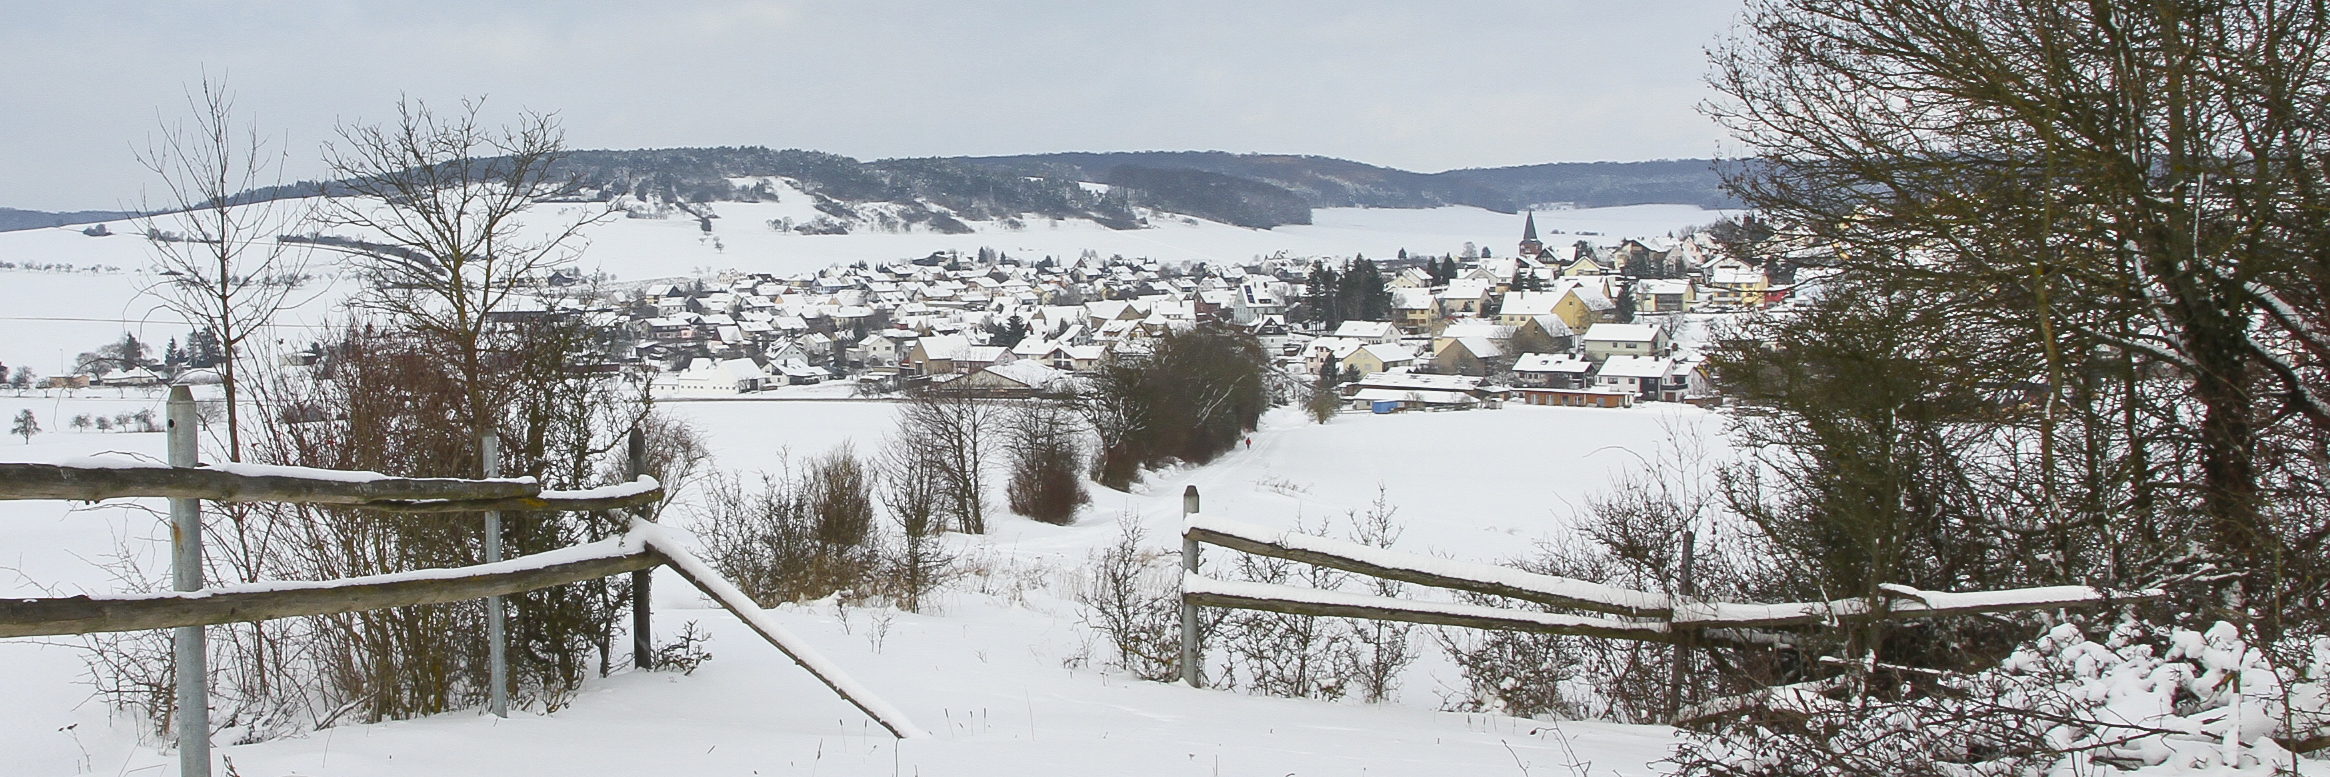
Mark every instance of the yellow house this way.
pixel 1577 304
pixel 1736 283
pixel 1379 357
pixel 1415 309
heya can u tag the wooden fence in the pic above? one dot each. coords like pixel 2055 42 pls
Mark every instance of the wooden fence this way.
pixel 186 483
pixel 1605 612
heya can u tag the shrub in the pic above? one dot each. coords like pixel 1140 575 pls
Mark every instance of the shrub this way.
pixel 1047 463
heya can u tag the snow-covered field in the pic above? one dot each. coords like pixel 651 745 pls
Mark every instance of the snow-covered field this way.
pixel 995 672
pixel 1002 671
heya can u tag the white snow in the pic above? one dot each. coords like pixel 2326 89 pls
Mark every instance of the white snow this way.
pixel 1000 671
pixel 697 572
pixel 640 485
pixel 997 673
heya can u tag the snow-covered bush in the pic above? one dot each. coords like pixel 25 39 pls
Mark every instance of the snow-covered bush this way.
pixel 2143 701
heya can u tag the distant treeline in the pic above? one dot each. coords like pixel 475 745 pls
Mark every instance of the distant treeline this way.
pixel 1251 190
pixel 12 219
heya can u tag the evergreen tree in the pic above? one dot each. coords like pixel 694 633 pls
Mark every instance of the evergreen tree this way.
pixel 1364 294
pixel 202 349
pixel 1323 296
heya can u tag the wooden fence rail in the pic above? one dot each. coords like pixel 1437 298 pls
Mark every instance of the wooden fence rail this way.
pixel 1608 612
pixel 97 479
pixel 1632 606
pixel 268 601
pixel 186 482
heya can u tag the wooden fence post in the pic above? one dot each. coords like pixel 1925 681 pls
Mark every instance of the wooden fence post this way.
pixel 642 636
pixel 189 647
pixel 1191 656
pixel 489 446
pixel 1685 587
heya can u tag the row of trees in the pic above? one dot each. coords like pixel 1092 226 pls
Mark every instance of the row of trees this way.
pixel 1358 292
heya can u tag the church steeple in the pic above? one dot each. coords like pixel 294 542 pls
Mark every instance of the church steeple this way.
pixel 1529 246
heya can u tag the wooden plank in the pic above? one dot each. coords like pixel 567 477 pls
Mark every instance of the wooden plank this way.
pixel 87 615
pixel 701 575
pixel 1208 592
pixel 518 504
pixel 1901 603
pixel 400 495
pixel 1419 577
pixel 90 484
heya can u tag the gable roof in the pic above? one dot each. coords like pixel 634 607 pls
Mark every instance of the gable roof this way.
pixel 1551 362
pixel 1366 330
pixel 1623 333
pixel 1636 367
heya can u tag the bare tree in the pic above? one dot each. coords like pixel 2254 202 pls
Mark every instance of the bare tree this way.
pixel 214 237
pixel 915 500
pixel 451 198
pixel 955 434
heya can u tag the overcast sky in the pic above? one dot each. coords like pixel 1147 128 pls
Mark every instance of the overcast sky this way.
pixel 1423 86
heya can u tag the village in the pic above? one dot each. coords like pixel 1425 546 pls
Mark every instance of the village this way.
pixel 1576 325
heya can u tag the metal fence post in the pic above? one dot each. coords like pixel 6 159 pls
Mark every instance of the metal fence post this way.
pixel 642 618
pixel 1190 654
pixel 189 648
pixel 497 656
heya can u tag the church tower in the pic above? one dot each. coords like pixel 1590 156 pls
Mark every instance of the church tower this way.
pixel 1530 248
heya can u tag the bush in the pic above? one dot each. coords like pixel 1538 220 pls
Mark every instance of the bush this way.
pixel 1191 399
pixel 2061 704
pixel 1133 599
pixel 1047 463
pixel 788 537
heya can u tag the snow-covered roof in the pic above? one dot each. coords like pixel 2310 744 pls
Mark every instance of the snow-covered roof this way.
pixel 1367 330
pixel 945 346
pixel 1636 367
pixel 1622 333
pixel 1477 328
pixel 1409 380
pixel 1551 362
pixel 1466 289
pixel 1480 346
pixel 1426 395
pixel 1027 373
pixel 1389 352
pixel 1412 299
pixel 1337 347
pixel 1530 303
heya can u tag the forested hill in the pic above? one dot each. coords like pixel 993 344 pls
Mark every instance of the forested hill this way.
pixel 1252 190
pixel 12 219
pixel 1326 182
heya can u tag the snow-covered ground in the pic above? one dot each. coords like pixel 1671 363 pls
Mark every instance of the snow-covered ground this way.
pixel 1000 672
